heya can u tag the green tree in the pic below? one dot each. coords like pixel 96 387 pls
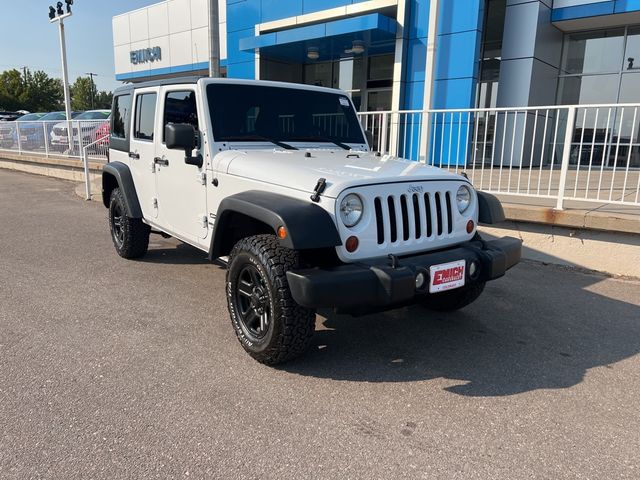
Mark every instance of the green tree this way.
pixel 12 90
pixel 82 91
pixel 104 99
pixel 43 93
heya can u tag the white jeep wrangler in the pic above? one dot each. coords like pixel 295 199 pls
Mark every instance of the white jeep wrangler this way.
pixel 278 181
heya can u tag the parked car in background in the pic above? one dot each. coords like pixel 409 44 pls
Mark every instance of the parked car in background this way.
pixel 84 126
pixel 9 116
pixel 9 130
pixel 32 135
pixel 102 135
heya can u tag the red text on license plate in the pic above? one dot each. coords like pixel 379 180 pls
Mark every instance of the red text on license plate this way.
pixel 447 276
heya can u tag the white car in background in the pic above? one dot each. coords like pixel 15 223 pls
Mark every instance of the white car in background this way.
pixel 84 128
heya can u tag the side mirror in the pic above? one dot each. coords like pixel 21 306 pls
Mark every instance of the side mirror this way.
pixel 182 136
pixel 369 136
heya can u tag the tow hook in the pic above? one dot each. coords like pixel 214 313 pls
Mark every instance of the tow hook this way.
pixel 394 261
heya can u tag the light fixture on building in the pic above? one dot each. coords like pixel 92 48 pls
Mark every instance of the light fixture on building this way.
pixel 357 47
pixel 313 53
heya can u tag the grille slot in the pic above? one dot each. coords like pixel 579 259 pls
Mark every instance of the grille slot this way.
pixel 410 217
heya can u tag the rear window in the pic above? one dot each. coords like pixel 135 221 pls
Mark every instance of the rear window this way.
pixel 120 119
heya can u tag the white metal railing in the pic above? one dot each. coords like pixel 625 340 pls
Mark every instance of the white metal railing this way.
pixel 578 152
pixel 51 137
pixel 100 149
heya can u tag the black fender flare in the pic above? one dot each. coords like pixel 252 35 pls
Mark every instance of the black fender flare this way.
pixel 122 175
pixel 490 209
pixel 308 225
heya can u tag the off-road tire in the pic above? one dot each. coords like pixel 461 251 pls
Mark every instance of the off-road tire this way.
pixel 290 327
pixel 453 299
pixel 130 236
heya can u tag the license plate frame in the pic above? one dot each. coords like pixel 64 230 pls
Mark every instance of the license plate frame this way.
pixel 447 276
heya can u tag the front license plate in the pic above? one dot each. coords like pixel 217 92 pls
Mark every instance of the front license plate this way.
pixel 447 276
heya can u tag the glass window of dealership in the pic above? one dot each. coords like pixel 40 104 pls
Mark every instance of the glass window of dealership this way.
pixel 488 53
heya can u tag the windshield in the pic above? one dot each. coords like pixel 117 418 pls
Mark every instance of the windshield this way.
pixel 93 116
pixel 261 113
pixel 31 117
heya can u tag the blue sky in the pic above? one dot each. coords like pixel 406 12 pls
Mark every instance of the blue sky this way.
pixel 29 39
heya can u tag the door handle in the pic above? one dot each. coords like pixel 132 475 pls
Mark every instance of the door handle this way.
pixel 134 155
pixel 161 161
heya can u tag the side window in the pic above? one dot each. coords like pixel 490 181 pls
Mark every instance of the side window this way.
pixel 120 116
pixel 145 116
pixel 180 107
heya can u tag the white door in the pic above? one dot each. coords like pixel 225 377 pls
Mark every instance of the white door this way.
pixel 182 190
pixel 142 149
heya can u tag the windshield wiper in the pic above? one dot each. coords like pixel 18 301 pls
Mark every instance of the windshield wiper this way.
pixel 344 146
pixel 280 144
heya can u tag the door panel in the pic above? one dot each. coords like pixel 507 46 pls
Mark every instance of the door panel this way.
pixel 142 149
pixel 182 194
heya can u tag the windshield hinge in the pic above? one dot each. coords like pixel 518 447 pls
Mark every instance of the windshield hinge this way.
pixel 320 186
pixel 202 178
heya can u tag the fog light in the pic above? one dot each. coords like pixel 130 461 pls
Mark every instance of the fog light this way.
pixel 352 244
pixel 474 269
pixel 470 226
pixel 422 280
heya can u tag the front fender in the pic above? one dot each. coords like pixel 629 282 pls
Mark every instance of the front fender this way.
pixel 308 226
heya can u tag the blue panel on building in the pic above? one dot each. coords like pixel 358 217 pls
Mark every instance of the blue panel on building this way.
pixel 582 11
pixel 623 6
pixel 243 15
pixel 457 56
pixel 279 9
pixel 418 18
pixel 461 16
pixel 310 6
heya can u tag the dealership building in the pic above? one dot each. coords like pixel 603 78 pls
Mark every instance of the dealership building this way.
pixel 400 54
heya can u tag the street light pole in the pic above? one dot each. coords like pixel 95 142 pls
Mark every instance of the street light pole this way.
pixel 214 40
pixel 91 75
pixel 65 73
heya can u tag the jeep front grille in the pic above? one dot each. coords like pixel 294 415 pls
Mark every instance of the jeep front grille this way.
pixel 413 216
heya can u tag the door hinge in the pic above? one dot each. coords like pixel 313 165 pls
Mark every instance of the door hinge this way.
pixel 202 178
pixel 203 221
pixel 155 202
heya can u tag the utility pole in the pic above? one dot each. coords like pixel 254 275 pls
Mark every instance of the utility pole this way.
pixel 214 40
pixel 91 75
pixel 61 16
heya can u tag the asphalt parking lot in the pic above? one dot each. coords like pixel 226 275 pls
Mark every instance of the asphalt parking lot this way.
pixel 118 369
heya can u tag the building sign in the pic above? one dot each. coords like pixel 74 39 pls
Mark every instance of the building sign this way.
pixel 146 55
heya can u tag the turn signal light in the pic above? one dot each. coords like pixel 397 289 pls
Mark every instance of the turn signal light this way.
pixel 282 233
pixel 470 226
pixel 352 244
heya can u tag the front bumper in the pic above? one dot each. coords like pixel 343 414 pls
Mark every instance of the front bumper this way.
pixel 377 284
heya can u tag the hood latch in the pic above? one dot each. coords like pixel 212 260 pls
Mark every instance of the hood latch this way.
pixel 320 186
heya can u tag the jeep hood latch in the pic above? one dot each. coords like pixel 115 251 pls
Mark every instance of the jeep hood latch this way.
pixel 320 186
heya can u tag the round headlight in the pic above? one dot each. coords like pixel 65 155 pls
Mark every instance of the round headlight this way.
pixel 351 209
pixel 463 198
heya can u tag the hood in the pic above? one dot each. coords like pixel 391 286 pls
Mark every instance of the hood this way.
pixel 341 169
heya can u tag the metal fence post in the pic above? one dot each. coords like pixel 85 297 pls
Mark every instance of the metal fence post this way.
pixel 46 143
pixel 566 155
pixel 87 180
pixel 18 137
